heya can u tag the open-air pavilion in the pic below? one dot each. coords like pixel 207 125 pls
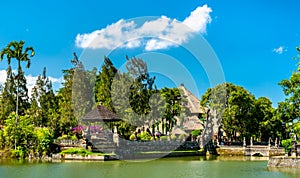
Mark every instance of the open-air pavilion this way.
pixel 99 117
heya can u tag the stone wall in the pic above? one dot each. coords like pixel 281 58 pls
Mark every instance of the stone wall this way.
pixel 139 146
pixel 80 157
pixel 284 162
pixel 231 150
pixel 240 151
pixel 276 152
pixel 67 143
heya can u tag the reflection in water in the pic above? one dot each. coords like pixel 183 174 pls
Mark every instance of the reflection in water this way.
pixel 197 166
pixel 225 158
pixel 289 171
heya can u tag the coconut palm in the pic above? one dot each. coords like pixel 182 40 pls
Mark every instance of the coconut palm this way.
pixel 15 50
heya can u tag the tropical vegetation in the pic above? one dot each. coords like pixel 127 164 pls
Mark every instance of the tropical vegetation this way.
pixel 29 122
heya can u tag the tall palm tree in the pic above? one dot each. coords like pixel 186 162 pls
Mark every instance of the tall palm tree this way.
pixel 15 50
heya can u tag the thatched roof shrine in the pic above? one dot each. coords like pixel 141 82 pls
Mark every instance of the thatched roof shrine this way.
pixel 100 114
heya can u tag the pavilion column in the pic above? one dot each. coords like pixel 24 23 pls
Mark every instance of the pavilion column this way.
pixel 116 136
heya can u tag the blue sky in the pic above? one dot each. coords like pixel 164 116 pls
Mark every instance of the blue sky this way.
pixel 254 41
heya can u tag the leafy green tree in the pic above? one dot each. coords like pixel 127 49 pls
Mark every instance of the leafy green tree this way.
pixel 236 108
pixel 241 106
pixel 158 106
pixel 2 139
pixel 103 84
pixel 91 75
pixel 34 109
pixel 8 101
pixel 217 98
pixel 264 113
pixel 273 127
pixel 22 93
pixel 135 98
pixel 120 99
pixel 44 140
pixel 20 133
pixel 67 119
pixel 142 87
pixel 291 105
pixel 297 129
pixel 173 107
pixel 43 102
pixel 82 90
pixel 289 109
pixel 144 98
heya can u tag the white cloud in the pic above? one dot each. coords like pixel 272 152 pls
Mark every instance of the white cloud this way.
pixel 155 44
pixel 2 76
pixel 280 50
pixel 160 33
pixel 133 44
pixel 56 80
pixel 31 80
pixel 198 19
pixel 30 83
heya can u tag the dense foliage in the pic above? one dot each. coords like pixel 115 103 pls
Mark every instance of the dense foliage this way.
pixel 28 125
pixel 241 113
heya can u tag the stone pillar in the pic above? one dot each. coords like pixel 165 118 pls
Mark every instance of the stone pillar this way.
pixel 88 135
pixel 298 149
pixel 276 143
pixel 200 142
pixel 116 136
pixel 269 142
pixel 244 142
pixel 251 141
pixel 294 151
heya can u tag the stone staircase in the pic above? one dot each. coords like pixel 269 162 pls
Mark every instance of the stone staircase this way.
pixel 103 142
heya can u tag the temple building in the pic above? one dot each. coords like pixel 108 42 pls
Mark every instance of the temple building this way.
pixel 194 119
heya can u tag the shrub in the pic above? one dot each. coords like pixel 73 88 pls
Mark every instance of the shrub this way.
pixel 195 133
pixel 79 151
pixel 132 137
pixel 164 138
pixel 65 137
pixel 173 137
pixel 44 140
pixel 145 136
pixel 73 137
pixel 20 152
pixel 287 145
pixel 2 140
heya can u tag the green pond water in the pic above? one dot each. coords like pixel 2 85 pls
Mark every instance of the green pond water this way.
pixel 166 167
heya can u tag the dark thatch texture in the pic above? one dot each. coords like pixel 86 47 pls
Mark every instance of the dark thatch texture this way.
pixel 100 114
